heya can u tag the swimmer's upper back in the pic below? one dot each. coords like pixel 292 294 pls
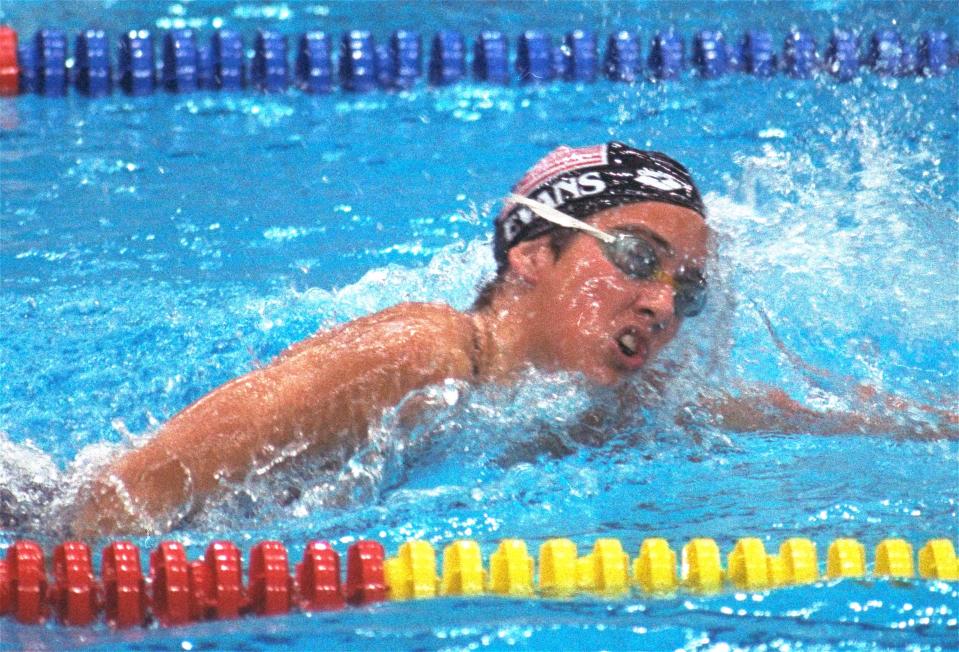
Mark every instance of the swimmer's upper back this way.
pixel 425 340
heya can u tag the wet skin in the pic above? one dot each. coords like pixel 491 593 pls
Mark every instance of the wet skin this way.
pixel 555 313
pixel 582 302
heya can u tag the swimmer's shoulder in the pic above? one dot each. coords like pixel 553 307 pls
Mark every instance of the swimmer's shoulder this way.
pixel 428 335
pixel 435 316
pixel 440 332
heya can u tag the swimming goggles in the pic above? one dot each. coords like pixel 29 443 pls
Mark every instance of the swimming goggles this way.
pixel 634 256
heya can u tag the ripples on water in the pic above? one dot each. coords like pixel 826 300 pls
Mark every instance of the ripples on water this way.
pixel 863 243
pixel 170 244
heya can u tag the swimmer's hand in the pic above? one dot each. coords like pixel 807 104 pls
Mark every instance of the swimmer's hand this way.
pixel 106 505
pixel 102 511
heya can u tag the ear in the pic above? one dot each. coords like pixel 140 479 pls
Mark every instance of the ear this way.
pixel 529 259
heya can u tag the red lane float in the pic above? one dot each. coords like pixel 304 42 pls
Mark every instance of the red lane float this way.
pixel 9 66
pixel 271 587
pixel 170 579
pixel 364 573
pixel 222 595
pixel 318 578
pixel 124 589
pixel 28 582
pixel 74 592
pixel 5 592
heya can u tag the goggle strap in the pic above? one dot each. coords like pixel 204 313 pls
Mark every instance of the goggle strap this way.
pixel 559 218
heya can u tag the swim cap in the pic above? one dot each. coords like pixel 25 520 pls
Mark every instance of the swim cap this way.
pixel 581 181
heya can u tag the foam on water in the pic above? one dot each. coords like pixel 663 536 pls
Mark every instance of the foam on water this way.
pixel 504 436
pixel 205 234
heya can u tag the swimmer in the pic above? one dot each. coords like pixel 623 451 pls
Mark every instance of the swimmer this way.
pixel 601 257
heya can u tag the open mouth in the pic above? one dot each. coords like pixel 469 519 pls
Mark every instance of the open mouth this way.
pixel 632 346
pixel 628 343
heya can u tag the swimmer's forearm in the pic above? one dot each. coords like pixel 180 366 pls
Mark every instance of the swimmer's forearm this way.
pixel 775 412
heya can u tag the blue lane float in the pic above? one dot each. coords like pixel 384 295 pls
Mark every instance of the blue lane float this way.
pixel 799 54
pixel 758 55
pixel 623 60
pixel 135 63
pixel 314 68
pixel 179 61
pixel 229 71
pixel 269 72
pixel 666 56
pixel 579 47
pixel 842 55
pixel 51 47
pixel 447 58
pixel 93 74
pixel 710 54
pixel 358 61
pixel 534 57
pixel 405 58
pixel 934 50
pixel 491 58
pixel 27 60
pixel 884 56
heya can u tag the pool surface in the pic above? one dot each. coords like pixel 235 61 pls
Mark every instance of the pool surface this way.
pixel 155 247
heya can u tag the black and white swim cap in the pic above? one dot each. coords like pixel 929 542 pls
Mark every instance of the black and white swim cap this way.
pixel 581 181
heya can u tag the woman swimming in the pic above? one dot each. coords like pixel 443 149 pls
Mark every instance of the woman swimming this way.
pixel 601 257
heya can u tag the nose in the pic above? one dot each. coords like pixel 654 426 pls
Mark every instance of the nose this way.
pixel 655 301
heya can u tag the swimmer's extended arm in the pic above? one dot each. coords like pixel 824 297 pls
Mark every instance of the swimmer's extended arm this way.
pixel 759 408
pixel 321 393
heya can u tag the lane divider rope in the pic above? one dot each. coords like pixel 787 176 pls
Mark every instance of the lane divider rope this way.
pixel 43 65
pixel 176 591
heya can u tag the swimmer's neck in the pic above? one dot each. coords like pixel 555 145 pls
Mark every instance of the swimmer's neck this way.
pixel 506 335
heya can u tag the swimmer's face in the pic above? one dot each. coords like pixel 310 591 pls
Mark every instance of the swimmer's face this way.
pixel 596 319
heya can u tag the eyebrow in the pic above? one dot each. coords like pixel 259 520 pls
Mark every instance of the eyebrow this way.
pixel 652 235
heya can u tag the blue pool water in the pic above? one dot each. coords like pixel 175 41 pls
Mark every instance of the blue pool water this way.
pixel 153 248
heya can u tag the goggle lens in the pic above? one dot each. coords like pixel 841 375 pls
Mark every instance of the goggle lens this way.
pixel 690 294
pixel 637 259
